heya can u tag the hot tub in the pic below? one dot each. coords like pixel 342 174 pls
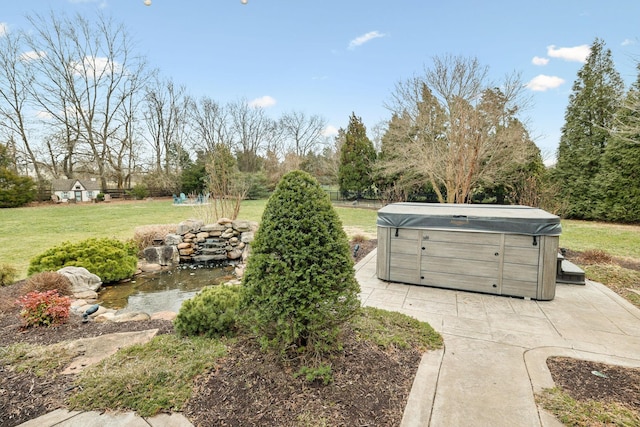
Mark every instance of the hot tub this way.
pixel 494 249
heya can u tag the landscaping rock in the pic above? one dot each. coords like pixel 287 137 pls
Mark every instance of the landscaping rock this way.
pixel 81 279
pixel 172 239
pixel 190 225
pixel 86 295
pixel 131 317
pixel 149 268
pixel 164 315
pixel 163 255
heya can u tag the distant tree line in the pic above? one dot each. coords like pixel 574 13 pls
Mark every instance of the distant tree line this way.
pixel 77 101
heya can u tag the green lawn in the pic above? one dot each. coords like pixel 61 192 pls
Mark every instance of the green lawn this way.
pixel 28 231
pixel 616 239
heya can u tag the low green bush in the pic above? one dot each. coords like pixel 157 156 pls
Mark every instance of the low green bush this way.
pixel 44 308
pixel 8 274
pixel 100 197
pixel 109 259
pixel 211 313
pixel 139 191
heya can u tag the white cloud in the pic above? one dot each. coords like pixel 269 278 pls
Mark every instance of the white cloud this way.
pixel 95 65
pixel 628 42
pixel 32 55
pixel 330 131
pixel 44 115
pixel 542 83
pixel 574 54
pixel 539 61
pixel 4 28
pixel 360 40
pixel 263 102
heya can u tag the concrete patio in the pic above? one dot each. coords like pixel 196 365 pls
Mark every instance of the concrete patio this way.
pixel 496 347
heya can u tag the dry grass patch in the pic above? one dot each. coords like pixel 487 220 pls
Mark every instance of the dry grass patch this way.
pixel 144 235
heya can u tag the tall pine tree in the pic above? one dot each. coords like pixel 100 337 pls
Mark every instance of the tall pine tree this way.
pixel 596 96
pixel 619 179
pixel 357 156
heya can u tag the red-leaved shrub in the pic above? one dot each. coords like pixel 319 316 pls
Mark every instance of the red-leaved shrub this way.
pixel 44 308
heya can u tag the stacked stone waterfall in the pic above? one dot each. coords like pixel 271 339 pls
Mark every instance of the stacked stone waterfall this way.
pixel 223 243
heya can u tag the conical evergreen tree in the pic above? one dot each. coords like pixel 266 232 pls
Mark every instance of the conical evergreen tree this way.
pixel 357 156
pixel 596 97
pixel 619 178
pixel 300 282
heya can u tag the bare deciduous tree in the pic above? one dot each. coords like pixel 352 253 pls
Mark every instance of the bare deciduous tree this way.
pixel 14 83
pixel 85 76
pixel 211 126
pixel 453 128
pixel 165 114
pixel 252 130
pixel 302 133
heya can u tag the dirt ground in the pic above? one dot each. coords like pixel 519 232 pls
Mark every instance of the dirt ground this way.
pixel 370 386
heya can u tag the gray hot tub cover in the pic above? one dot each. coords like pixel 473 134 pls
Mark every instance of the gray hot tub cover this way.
pixel 487 218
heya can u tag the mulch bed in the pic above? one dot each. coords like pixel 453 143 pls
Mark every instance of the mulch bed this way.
pixel 584 381
pixel 248 388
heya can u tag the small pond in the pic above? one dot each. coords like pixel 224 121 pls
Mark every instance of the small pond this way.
pixel 161 291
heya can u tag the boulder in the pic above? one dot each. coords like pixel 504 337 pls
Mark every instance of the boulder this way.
pixel 172 239
pixel 234 254
pixel 130 317
pixel 190 225
pixel 163 255
pixel 247 237
pixel 81 279
pixel 148 268
pixel 164 315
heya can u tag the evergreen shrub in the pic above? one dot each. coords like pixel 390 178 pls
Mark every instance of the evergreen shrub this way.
pixel 8 274
pixel 211 313
pixel 300 282
pixel 109 259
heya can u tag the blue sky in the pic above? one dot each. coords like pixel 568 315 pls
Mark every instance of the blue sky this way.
pixel 332 58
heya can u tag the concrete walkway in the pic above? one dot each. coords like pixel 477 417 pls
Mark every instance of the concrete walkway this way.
pixel 496 347
pixel 494 358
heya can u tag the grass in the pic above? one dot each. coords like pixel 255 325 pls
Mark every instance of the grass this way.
pixel 147 378
pixel 619 240
pixel 38 360
pixel 573 413
pixel 159 375
pixel 30 231
pixel 389 329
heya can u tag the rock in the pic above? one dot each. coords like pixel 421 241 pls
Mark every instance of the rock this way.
pixel 239 270
pixel 213 227
pixel 101 310
pixel 234 254
pixel 164 315
pixel 225 221
pixel 192 225
pixel 241 225
pixel 228 233
pixel 202 236
pixel 105 317
pixel 184 245
pixel 247 237
pixel 172 239
pixel 233 241
pixel 163 255
pixel 86 295
pixel 81 279
pixel 78 303
pixel 186 252
pixel 148 268
pixel 131 317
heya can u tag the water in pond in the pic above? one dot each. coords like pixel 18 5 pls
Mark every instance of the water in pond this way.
pixel 162 291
